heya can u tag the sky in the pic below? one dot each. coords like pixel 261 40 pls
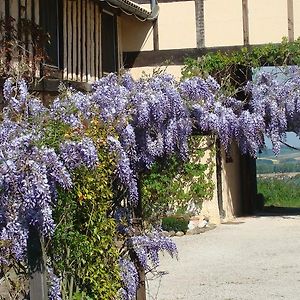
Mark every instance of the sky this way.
pixel 291 139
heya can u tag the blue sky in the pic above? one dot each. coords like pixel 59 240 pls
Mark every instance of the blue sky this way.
pixel 291 139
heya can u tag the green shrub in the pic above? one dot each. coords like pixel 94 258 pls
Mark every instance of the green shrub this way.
pixel 83 248
pixel 175 223
pixel 172 184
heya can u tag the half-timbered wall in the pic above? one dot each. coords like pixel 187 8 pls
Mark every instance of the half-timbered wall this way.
pixel 79 44
pixel 82 40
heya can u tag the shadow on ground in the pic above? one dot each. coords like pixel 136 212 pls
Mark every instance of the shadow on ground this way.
pixel 278 211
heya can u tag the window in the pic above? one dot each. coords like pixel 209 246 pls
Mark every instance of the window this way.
pixel 51 22
pixel 109 43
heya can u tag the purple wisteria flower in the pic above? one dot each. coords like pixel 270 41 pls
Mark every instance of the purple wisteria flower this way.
pixel 130 279
pixel 124 170
pixel 76 154
pixel 54 287
pixel 148 246
pixel 276 100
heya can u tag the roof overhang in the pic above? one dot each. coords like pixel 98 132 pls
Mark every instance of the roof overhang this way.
pixel 131 8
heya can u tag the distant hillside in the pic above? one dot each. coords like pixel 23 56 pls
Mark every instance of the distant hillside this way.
pixel 285 153
pixel 286 162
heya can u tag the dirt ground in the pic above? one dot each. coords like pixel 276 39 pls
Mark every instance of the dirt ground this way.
pixel 251 258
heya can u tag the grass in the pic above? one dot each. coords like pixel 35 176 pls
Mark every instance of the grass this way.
pixel 282 192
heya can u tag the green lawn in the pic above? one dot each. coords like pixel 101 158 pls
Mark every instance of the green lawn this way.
pixel 283 192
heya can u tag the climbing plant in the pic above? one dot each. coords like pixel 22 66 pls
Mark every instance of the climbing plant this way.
pixel 223 63
pixel 262 103
pixel 73 171
pixel 174 186
pixel 20 55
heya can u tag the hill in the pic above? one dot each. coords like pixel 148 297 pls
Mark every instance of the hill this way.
pixel 287 161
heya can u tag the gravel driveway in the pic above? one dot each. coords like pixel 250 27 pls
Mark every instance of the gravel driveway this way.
pixel 252 258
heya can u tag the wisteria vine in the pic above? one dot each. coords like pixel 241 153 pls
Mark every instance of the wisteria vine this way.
pixel 153 118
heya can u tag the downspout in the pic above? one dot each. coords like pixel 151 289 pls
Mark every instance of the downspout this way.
pixel 154 19
pixel 154 11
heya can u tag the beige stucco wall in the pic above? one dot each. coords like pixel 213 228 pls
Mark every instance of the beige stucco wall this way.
pixel 231 184
pixel 210 207
pixel 175 70
pixel 136 35
pixel 176 25
pixel 297 18
pixel 267 21
pixel 223 22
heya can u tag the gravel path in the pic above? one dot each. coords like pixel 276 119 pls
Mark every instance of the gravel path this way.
pixel 254 258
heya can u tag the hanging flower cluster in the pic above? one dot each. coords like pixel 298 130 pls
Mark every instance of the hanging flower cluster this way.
pixel 30 170
pixel 222 116
pixel 277 101
pixel 150 118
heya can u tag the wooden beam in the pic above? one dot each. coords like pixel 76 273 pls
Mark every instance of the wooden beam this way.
pixel 7 8
pixel 290 10
pixel 175 56
pixel 28 37
pixel 96 19
pixel 2 11
pixel 34 67
pixel 200 29
pixel 155 35
pixel 52 85
pixel 84 42
pixel 70 39
pixel 79 40
pixel 65 34
pixel 100 39
pixel 88 40
pixel 160 1
pixel 92 40
pixel 97 41
pixel 152 58
pixel 245 22
pixel 74 39
pixel 36 14
pixel 77 45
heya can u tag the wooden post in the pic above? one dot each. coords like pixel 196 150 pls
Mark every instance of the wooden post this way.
pixel 290 9
pixel 138 215
pixel 245 22
pixel 141 292
pixel 200 30
pixel 37 268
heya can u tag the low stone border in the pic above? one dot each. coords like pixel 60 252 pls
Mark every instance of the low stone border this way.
pixel 196 230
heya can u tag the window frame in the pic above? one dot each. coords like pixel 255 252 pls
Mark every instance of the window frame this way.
pixel 58 63
pixel 115 42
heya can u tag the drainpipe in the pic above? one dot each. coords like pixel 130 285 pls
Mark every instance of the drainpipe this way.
pixel 154 11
